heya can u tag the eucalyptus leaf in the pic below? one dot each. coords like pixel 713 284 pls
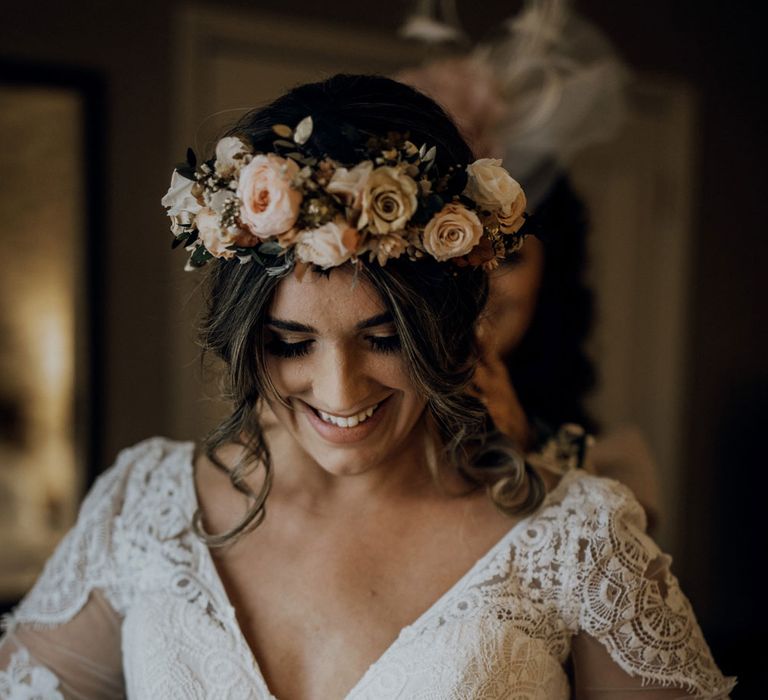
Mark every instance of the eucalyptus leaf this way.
pixel 270 248
pixel 181 238
pixel 298 157
pixel 191 158
pixel 200 256
pixel 284 144
pixel 303 130
pixel 430 155
pixel 283 131
pixel 185 170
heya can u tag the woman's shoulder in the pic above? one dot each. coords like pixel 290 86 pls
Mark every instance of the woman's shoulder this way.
pixel 592 501
pixel 137 496
pixel 139 468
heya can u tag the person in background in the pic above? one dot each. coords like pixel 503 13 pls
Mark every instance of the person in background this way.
pixel 543 87
pixel 535 372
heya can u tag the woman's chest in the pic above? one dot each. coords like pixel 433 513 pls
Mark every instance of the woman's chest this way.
pixel 175 648
pixel 319 611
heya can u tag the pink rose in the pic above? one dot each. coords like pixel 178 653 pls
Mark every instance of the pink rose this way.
pixel 452 232
pixel 270 204
pixel 328 245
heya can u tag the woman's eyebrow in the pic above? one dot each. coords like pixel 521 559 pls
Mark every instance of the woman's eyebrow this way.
pixel 378 320
pixel 289 325
pixel 296 327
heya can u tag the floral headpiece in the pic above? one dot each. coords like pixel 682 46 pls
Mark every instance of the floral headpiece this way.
pixel 288 207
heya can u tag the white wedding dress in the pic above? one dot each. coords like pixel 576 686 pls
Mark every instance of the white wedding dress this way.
pixel 130 604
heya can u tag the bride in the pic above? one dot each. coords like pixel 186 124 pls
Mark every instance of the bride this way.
pixel 376 537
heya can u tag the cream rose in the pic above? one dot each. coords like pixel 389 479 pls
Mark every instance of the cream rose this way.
pixel 217 239
pixel 389 200
pixel 328 245
pixel 179 197
pixel 490 185
pixel 349 184
pixel 230 155
pixel 453 231
pixel 270 205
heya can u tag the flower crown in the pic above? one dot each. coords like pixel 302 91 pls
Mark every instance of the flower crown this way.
pixel 289 207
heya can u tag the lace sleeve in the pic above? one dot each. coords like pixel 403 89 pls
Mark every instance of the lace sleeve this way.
pixel 79 659
pixel 63 639
pixel 625 597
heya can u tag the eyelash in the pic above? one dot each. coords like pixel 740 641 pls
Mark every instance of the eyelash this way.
pixel 279 348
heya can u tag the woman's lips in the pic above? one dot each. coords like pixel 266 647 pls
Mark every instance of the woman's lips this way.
pixel 337 434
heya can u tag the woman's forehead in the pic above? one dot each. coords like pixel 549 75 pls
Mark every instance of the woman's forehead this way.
pixel 339 299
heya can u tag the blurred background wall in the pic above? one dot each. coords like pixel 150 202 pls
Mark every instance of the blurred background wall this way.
pixel 714 48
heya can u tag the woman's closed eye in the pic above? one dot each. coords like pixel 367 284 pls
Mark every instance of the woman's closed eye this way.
pixel 384 343
pixel 284 349
pixel 288 350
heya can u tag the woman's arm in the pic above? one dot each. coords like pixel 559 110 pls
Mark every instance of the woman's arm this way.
pixel 636 632
pixel 77 660
pixel 599 677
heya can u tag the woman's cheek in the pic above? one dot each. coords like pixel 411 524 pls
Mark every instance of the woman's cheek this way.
pixel 288 375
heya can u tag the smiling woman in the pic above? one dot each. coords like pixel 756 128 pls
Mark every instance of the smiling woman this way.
pixel 408 551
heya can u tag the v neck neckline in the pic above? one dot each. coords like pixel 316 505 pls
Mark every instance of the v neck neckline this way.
pixel 220 592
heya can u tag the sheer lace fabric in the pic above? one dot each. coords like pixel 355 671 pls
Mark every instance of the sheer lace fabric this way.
pixel 131 604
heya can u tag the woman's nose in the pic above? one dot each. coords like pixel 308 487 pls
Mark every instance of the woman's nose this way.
pixel 341 383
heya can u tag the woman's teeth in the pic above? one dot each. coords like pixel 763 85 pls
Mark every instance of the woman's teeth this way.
pixel 349 421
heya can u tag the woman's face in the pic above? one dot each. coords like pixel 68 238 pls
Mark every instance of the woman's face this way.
pixel 514 294
pixel 334 355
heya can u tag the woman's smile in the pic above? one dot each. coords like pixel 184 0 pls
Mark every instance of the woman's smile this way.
pixel 353 427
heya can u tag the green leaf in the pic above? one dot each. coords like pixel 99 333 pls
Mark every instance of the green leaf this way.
pixel 178 240
pixel 270 248
pixel 298 157
pixel 185 170
pixel 200 256
pixel 191 158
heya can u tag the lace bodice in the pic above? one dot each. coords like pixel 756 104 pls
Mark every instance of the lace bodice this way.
pixel 131 603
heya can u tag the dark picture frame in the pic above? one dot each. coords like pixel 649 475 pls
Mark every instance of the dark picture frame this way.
pixel 78 95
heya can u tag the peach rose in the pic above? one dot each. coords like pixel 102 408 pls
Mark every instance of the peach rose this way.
pixel 453 231
pixel 349 184
pixel 491 186
pixel 270 204
pixel 217 239
pixel 389 200
pixel 328 245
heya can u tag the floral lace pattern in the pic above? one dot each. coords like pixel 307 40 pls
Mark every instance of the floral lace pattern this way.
pixel 23 680
pixel 504 629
